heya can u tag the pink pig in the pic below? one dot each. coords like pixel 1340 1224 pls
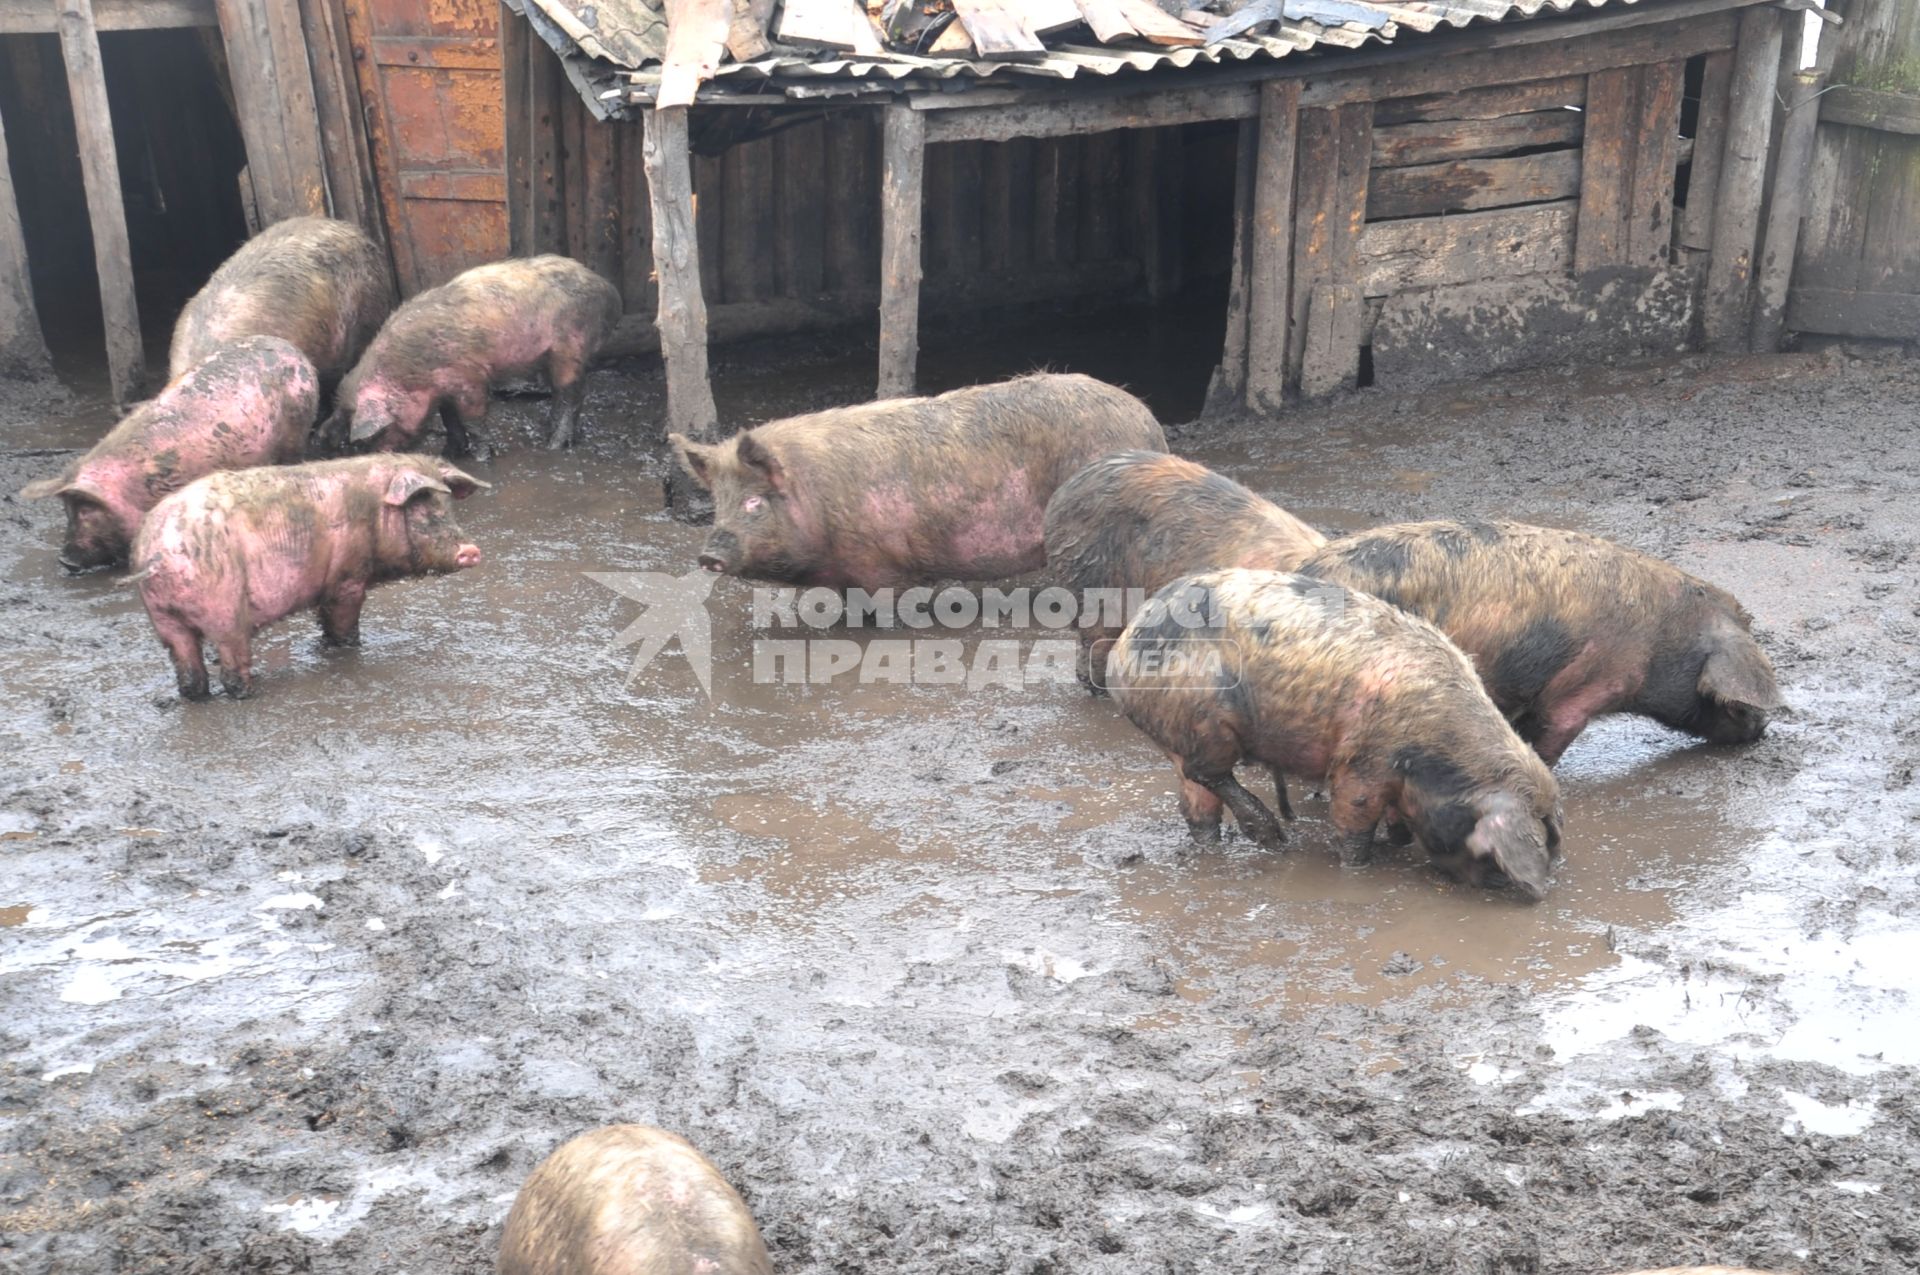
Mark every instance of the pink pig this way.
pixel 233 552
pixel 250 402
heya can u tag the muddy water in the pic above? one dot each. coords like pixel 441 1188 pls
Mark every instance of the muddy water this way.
pixel 924 966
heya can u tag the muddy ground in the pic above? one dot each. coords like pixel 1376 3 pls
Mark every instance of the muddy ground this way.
pixel 311 982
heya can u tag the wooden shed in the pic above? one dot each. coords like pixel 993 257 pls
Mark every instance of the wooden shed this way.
pixel 1405 189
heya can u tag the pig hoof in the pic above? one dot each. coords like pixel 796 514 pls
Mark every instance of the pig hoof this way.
pixel 561 439
pixel 1204 834
pixel 340 639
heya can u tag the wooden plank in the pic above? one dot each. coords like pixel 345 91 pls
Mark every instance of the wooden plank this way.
pixel 903 163
pixel 1801 115
pixel 1020 198
pixel 1335 160
pixel 1331 362
pixel 996 208
pixel 1316 201
pixel 747 226
pixel 1606 167
pixel 696 36
pixel 1044 17
pixel 343 130
pixel 952 42
pixel 1465 185
pixel 573 149
pixel 1280 136
pixel 1102 191
pixel 747 30
pixel 800 163
pixel 1736 219
pixel 636 224
pixel 1106 20
pixel 546 82
pixel 1094 115
pixel 1048 188
pixel 256 94
pixel 1484 104
pixel 682 316
pixel 37 17
pixel 965 209
pixel 1144 189
pixel 1655 165
pixel 1157 26
pixel 710 208
pixel 1877 109
pixel 1531 51
pixel 851 226
pixel 996 29
pixel 1228 389
pixel 1709 145
pixel 106 210
pixel 1430 142
pixel 299 124
pixel 1425 252
pixel 514 34
pixel 1889 316
pixel 599 195
pixel 23 350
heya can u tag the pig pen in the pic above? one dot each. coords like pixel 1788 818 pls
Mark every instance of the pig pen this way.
pixel 312 982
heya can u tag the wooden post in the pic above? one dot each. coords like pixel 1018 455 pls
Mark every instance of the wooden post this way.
pixel 100 171
pixel 683 310
pixel 518 101
pixel 1228 390
pixel 1709 146
pixel 299 124
pixel 599 192
pixel 1271 245
pixel 546 219
pixel 1801 115
pixel 343 130
pixel 1336 155
pixel 903 165
pixel 1743 173
pixel 23 351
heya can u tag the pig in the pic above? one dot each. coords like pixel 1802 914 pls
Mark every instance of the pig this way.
pixel 910 490
pixel 250 402
pixel 1137 520
pixel 445 347
pixel 1312 679
pixel 629 1200
pixel 318 283
pixel 233 552
pixel 1566 627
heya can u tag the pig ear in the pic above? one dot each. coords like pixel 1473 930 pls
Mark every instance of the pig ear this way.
pixel 695 458
pixel 1737 672
pixel 362 425
pixel 754 455
pixel 45 487
pixel 406 484
pixel 462 483
pixel 1508 834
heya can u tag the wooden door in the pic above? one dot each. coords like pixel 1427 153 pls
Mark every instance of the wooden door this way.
pixel 1857 272
pixel 429 77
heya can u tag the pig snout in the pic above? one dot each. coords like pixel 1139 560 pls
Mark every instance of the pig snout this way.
pixel 466 556
pixel 722 552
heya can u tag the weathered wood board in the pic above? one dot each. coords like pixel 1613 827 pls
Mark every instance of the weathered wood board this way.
pixel 996 29
pixel 1425 252
pixel 1430 142
pixel 1484 104
pixel 23 351
pixel 1464 185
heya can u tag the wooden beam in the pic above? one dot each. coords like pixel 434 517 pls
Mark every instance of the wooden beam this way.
pixel 1533 51
pixel 903 168
pixel 599 193
pixel 1877 109
pixel 1649 238
pixel 1891 316
pixel 257 101
pixel 1331 362
pixel 1429 142
pixel 1228 389
pixel 996 29
pixel 515 31
pixel 343 131
pixel 1802 115
pixel 37 17
pixel 547 92
pixel 676 255
pixel 23 351
pixel 1098 115
pixel 1465 185
pixel 1483 104
pixel 1425 252
pixel 299 122
pixel 1270 243
pixel 1743 173
pixel 106 210
pixel 1336 149
pixel 1606 167
pixel 1709 147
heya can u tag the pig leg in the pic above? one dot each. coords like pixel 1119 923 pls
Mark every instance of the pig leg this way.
pixel 1198 805
pixel 189 662
pixel 1355 804
pixel 1280 792
pixel 1092 665
pixel 236 663
pixel 340 614
pixel 1253 817
pixel 569 378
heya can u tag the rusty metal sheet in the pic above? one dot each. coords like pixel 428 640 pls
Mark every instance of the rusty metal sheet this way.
pixel 430 77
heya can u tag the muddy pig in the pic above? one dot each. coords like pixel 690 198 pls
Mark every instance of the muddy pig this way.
pixel 1565 627
pixel 1315 680
pixel 446 346
pixel 629 1200
pixel 251 402
pixel 233 552
pixel 317 283
pixel 909 490
pixel 1137 520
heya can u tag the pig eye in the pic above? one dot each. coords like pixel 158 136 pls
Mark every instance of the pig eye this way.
pixel 751 503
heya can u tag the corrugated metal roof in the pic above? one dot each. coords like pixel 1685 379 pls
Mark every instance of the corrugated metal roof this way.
pixel 615 48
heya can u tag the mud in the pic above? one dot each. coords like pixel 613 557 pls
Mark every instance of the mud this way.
pixel 310 983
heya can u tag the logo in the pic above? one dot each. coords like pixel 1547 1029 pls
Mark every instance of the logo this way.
pixel 675 607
